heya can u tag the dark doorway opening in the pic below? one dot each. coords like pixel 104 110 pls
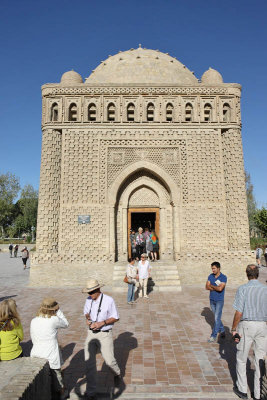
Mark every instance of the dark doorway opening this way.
pixel 143 220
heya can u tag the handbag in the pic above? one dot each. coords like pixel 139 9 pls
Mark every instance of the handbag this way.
pixel 126 279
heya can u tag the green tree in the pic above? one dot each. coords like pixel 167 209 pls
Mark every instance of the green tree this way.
pixel 252 207
pixel 261 221
pixel 27 204
pixel 9 188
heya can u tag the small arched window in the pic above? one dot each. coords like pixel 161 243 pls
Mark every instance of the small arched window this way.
pixel 111 112
pixel 226 113
pixel 73 112
pixel 169 112
pixel 150 112
pixel 92 112
pixel 54 112
pixel 207 112
pixel 188 112
pixel 130 112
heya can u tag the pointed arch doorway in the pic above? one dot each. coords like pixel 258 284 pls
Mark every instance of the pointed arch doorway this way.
pixel 145 218
pixel 144 185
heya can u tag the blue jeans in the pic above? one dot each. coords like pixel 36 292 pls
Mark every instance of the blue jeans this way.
pixel 130 296
pixel 216 307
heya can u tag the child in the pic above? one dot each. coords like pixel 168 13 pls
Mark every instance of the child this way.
pixel 11 332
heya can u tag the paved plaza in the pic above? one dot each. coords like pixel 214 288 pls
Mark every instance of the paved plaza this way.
pixel 160 343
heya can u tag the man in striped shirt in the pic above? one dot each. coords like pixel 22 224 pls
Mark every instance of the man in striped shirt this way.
pixel 250 323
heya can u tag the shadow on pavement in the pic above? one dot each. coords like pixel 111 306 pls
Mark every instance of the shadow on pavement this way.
pixel 75 373
pixel 7 297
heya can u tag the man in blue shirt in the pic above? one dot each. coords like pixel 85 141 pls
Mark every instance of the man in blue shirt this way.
pixel 250 322
pixel 216 285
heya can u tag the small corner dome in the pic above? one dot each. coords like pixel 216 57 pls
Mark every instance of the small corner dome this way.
pixel 211 76
pixel 71 78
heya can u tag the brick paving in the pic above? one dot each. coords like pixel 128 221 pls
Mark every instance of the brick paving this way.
pixel 160 343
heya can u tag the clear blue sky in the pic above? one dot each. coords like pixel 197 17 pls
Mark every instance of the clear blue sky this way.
pixel 40 40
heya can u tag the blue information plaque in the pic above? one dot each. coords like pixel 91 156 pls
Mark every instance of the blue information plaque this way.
pixel 84 219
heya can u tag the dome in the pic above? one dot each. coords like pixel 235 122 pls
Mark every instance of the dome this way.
pixel 141 66
pixel 211 76
pixel 71 78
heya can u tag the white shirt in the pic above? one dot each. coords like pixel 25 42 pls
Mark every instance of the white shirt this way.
pixel 44 338
pixel 143 269
pixel 108 310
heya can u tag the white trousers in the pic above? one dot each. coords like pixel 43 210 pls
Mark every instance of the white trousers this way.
pixel 143 287
pixel 95 343
pixel 252 332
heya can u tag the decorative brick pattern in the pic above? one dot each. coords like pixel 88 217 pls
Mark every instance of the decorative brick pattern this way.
pixel 189 166
pixel 236 205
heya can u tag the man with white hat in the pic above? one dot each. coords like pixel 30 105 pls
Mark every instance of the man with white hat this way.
pixel 101 313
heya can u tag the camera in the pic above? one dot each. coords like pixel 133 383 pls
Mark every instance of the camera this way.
pixel 93 330
pixel 237 336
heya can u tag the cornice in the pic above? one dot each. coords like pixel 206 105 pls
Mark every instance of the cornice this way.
pixel 224 89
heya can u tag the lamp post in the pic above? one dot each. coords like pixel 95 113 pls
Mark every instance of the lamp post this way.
pixel 33 229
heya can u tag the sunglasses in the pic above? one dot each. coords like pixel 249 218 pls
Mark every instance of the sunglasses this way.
pixel 93 292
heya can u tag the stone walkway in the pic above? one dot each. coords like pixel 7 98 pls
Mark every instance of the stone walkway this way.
pixel 160 343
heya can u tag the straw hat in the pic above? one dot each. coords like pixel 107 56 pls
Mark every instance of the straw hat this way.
pixel 91 285
pixel 49 304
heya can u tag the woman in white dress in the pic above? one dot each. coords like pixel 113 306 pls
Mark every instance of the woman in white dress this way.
pixel 144 269
pixel 44 328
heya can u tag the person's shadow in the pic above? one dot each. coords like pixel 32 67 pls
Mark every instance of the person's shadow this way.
pixel 7 297
pixel 209 317
pixel 76 371
pixel 150 285
pixel 227 349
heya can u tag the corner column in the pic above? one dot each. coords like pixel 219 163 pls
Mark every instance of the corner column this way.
pixel 49 193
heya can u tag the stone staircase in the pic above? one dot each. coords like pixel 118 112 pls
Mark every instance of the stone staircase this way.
pixel 164 276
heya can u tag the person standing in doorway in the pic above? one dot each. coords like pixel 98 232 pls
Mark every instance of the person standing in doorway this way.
pixel 144 270
pixel 133 244
pixel 140 243
pixel 155 244
pixel 216 285
pixel 250 324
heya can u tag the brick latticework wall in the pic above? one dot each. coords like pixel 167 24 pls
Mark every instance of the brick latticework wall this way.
pixel 190 168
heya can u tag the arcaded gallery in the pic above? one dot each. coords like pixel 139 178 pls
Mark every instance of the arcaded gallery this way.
pixel 141 142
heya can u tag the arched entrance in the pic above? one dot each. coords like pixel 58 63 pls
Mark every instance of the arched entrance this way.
pixel 141 191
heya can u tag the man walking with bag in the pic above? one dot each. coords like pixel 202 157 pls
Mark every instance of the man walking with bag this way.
pixel 101 313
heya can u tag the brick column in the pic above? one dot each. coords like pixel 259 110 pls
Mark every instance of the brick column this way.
pixel 235 191
pixel 49 192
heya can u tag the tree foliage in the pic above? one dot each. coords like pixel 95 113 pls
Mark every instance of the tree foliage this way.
pixel 261 221
pixel 9 188
pixel 252 207
pixel 27 216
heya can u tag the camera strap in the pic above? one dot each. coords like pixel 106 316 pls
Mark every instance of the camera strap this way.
pixel 99 308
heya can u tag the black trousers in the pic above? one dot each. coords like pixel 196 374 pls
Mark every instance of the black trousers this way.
pixel 140 249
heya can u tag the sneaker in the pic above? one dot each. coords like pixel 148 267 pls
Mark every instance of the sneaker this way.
pixel 146 296
pixel 222 335
pixel 241 395
pixel 211 339
pixel 129 302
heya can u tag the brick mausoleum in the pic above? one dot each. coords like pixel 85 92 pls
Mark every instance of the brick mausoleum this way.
pixel 142 142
